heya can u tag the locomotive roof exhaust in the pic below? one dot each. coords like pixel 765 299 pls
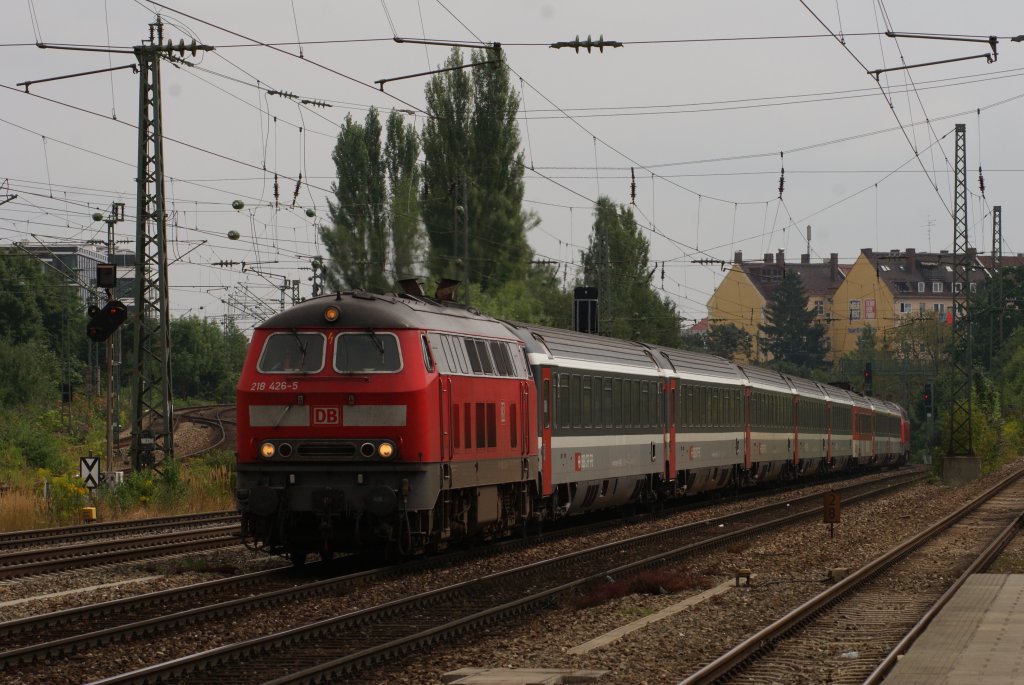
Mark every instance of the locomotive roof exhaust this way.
pixel 446 290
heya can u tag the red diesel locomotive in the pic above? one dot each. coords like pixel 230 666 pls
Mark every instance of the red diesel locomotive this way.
pixel 370 420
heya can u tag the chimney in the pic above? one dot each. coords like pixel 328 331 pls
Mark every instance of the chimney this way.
pixel 768 258
pixel 805 259
pixel 911 260
pixel 737 257
pixel 833 266
pixel 780 259
pixel 866 251
pixel 972 253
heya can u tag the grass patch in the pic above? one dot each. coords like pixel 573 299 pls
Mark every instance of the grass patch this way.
pixel 646 583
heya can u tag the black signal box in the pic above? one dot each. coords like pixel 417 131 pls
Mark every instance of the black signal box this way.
pixel 103 322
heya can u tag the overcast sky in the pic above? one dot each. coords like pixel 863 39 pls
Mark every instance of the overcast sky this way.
pixel 700 102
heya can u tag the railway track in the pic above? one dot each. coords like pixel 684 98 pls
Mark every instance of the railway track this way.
pixel 311 653
pixel 855 631
pixel 64 557
pixel 57 536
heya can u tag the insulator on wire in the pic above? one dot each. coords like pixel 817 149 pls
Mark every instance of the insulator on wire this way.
pixel 277 195
pixel 782 177
pixel 981 182
pixel 632 186
pixel 298 184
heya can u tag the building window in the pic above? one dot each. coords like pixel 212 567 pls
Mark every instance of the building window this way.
pixel 939 307
pixel 854 310
pixel 920 286
pixel 957 286
pixel 923 308
pixel 973 287
pixel 819 307
pixel 869 309
pixel 906 307
pixel 937 286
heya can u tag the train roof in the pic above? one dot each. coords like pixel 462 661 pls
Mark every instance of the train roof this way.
pixel 558 343
pixel 765 379
pixel 368 310
pixel 706 367
pixel 806 387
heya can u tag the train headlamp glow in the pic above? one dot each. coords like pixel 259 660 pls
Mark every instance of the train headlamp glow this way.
pixel 385 449
pixel 332 314
pixel 267 450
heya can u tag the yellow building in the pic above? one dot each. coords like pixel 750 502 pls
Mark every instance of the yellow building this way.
pixel 883 288
pixel 741 297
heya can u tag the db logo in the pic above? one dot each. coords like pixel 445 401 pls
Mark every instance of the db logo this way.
pixel 325 416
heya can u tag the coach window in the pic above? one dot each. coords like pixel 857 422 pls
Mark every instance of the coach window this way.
pixel 606 403
pixel 597 384
pixel 617 403
pixel 292 353
pixel 574 399
pixel 367 353
pixel 562 415
pixel 645 410
pixel 586 396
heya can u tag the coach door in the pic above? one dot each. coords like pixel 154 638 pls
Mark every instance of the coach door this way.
pixel 669 426
pixel 546 413
pixel 446 417
pixel 746 426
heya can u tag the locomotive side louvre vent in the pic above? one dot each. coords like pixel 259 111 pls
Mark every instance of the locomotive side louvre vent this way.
pixel 591 496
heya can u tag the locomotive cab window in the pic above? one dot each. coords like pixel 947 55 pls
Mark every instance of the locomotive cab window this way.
pixel 367 353
pixel 292 353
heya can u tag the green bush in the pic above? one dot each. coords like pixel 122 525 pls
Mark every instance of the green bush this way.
pixel 26 441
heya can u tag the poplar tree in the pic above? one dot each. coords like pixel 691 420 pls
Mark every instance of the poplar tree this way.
pixel 357 241
pixel 473 165
pixel 375 237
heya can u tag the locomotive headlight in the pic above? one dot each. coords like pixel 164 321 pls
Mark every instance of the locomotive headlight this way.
pixel 385 449
pixel 267 450
pixel 332 314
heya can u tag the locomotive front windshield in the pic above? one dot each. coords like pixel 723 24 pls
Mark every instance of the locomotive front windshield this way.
pixel 367 353
pixel 292 353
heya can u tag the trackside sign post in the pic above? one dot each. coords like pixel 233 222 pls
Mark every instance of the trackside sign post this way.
pixel 89 468
pixel 830 511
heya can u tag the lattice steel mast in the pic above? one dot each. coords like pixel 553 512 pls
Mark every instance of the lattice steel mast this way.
pixel 152 423
pixel 960 435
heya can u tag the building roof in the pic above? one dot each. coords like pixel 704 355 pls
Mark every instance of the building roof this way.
pixel 820 279
pixel 902 270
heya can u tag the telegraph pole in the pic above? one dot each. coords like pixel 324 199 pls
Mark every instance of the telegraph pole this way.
pixel 152 420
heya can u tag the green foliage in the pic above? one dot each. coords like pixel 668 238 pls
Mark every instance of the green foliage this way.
pixel 729 341
pixel 207 359
pixel 472 160
pixel 617 263
pixel 375 234
pixel 26 441
pixel 36 305
pixel 790 332
pixel 31 374
pixel 537 299
pixel 401 152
